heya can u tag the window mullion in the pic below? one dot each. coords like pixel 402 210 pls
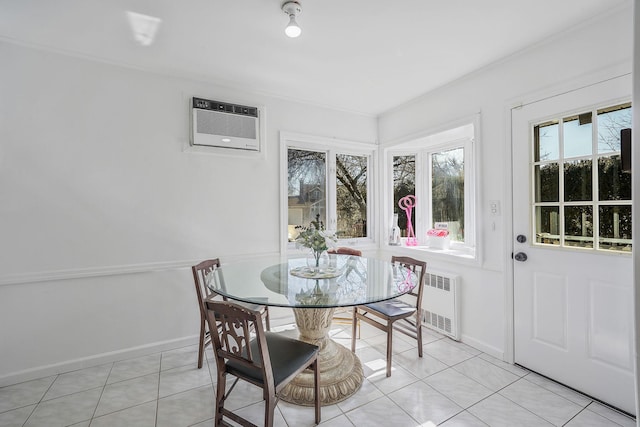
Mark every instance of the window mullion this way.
pixel 332 216
pixel 561 172
pixel 424 215
pixel 595 196
pixel 469 193
pixel 371 191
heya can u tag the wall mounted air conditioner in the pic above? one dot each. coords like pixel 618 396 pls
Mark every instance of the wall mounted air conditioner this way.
pixel 221 124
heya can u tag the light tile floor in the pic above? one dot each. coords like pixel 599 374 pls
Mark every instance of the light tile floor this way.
pixel 452 385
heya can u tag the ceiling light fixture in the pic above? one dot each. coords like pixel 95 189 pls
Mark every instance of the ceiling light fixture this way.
pixel 292 8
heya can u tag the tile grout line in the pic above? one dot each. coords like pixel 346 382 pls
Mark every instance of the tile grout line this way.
pixel 579 412
pixel 158 390
pixel 474 380
pixel 602 415
pixel 101 393
pixel 206 358
pixel 40 400
pixel 463 410
pixel 592 400
pixel 559 395
pixel 530 411
pixel 339 410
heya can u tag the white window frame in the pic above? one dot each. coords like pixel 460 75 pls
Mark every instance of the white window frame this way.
pixel 595 203
pixel 330 146
pixel 422 145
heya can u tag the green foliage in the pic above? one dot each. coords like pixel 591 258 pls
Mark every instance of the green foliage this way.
pixel 613 184
pixel 315 236
pixel 404 184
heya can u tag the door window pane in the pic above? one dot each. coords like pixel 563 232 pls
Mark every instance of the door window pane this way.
pixel 615 227
pixel 613 184
pixel 578 226
pixel 573 197
pixel 447 190
pixel 548 225
pixel 578 136
pixel 610 121
pixel 404 184
pixel 351 183
pixel 306 189
pixel 546 141
pixel 547 179
pixel 577 181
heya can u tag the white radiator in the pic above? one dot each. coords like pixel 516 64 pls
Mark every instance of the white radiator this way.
pixel 441 303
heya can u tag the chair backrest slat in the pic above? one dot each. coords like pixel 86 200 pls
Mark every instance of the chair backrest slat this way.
pixel 417 267
pixel 203 274
pixel 231 327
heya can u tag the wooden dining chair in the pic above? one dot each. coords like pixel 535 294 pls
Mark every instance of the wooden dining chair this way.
pixel 344 251
pixel 344 315
pixel 395 314
pixel 203 275
pixel 268 360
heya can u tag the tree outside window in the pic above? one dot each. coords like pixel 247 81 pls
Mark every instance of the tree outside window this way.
pixel 586 203
pixel 404 184
pixel 438 171
pixel 306 189
pixel 341 198
pixel 351 192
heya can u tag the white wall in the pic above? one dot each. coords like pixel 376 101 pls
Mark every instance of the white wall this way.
pixel 102 211
pixel 636 191
pixel 597 50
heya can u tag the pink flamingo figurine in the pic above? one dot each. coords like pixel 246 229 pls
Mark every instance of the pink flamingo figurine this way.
pixel 407 203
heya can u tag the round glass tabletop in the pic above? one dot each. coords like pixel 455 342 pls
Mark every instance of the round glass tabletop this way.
pixel 345 281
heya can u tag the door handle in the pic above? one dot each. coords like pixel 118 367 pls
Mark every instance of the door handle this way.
pixel 520 256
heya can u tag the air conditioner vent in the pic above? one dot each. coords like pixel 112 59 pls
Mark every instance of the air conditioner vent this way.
pixel 226 125
pixel 440 303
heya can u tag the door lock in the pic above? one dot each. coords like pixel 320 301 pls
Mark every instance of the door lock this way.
pixel 520 256
pixel 521 238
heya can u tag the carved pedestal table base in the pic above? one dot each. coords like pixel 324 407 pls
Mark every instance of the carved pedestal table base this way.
pixel 340 370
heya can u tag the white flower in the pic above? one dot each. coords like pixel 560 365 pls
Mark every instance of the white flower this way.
pixel 330 238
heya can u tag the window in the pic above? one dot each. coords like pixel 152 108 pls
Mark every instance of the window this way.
pixel 581 197
pixel 438 170
pixel 351 195
pixel 447 191
pixel 307 188
pixel 331 180
pixel 404 184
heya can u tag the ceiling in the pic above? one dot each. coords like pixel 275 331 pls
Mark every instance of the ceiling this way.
pixel 364 56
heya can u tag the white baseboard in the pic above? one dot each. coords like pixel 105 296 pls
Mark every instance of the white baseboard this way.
pixel 279 317
pixel 98 359
pixel 483 347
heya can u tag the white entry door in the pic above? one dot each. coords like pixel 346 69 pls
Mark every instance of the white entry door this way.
pixel 573 299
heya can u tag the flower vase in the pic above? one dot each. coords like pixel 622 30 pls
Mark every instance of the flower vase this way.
pixel 317 261
pixel 394 232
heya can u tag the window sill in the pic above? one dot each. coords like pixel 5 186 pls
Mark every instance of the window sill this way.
pixel 456 252
pixel 363 244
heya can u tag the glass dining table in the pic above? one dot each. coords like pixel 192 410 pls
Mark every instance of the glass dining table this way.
pixel 314 294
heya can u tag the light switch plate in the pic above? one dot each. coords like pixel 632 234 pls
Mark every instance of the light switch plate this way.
pixel 494 207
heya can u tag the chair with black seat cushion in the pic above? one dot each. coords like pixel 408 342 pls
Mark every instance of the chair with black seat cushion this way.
pixel 395 314
pixel 204 274
pixel 268 360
